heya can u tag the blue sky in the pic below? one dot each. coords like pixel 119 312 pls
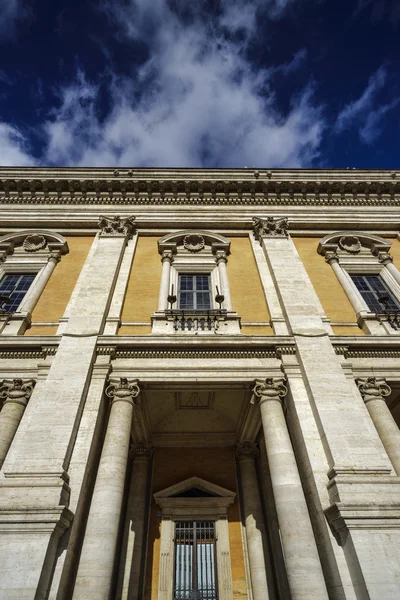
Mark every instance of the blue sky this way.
pixel 200 83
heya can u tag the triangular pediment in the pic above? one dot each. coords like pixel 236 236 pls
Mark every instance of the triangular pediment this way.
pixel 194 487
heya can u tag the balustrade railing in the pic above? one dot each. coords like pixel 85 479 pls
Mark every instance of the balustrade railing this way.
pixel 197 320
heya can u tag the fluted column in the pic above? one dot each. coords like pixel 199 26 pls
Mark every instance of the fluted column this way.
pixel 221 260
pixel 99 546
pixel 303 566
pixel 167 258
pixel 133 543
pixel 246 453
pixel 374 391
pixel 15 394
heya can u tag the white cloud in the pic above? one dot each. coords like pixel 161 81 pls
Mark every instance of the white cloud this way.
pixel 359 107
pixel 13 151
pixel 196 102
pixel 10 12
pixel 366 113
pixel 373 124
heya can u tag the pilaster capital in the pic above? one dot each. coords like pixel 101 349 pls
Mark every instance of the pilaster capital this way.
pixel 270 227
pixel 373 388
pixel 221 256
pixel 384 258
pixel 269 389
pixel 123 390
pixel 54 257
pixel 167 255
pixel 17 391
pixel 141 451
pixel 117 226
pixel 331 257
pixel 246 451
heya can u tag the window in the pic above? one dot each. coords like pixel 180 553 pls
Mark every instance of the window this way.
pixel 194 291
pixel 195 569
pixel 375 293
pixel 13 288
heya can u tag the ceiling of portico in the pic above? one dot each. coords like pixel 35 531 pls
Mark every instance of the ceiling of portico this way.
pixel 194 416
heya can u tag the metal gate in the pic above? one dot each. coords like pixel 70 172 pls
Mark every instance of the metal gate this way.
pixel 195 567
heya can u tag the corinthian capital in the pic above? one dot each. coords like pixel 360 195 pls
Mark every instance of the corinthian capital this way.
pixel 269 389
pixel 143 451
pixel 116 226
pixel 372 388
pixel 123 390
pixel 17 390
pixel 246 450
pixel 271 226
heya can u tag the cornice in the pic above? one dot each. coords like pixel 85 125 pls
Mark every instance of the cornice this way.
pixel 243 187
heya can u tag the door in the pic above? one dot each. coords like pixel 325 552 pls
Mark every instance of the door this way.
pixel 195 576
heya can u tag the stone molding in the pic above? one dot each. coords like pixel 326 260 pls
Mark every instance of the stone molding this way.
pixel 32 241
pixel 270 226
pixel 272 388
pixel 17 391
pixel 171 241
pixel 352 242
pixel 123 390
pixel 373 388
pixel 117 226
pixel 246 451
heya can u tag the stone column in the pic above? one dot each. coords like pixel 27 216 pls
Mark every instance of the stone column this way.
pixel 303 566
pixel 15 394
pixel 37 290
pixel 221 260
pixel 333 260
pixel 99 546
pixel 374 391
pixel 167 258
pixel 133 543
pixel 386 259
pixel 246 453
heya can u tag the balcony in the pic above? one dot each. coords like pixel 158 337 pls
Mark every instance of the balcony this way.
pixel 195 322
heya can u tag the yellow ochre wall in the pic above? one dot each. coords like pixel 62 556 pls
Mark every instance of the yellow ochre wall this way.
pixel 141 297
pixel 248 298
pixel 54 299
pixel 144 285
pixel 395 252
pixel 334 301
pixel 173 465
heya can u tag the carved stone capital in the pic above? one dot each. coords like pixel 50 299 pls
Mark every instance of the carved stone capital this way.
pixel 123 390
pixel 168 255
pixel 385 258
pixel 220 256
pixel 269 389
pixel 372 388
pixel 17 391
pixel 141 451
pixel 331 257
pixel 271 226
pixel 246 450
pixel 54 257
pixel 116 226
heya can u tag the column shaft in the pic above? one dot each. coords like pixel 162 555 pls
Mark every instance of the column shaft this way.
pixel 133 540
pixel 99 546
pixel 16 394
pixel 223 278
pixel 165 277
pixel 374 392
pixel 303 566
pixel 254 520
pixel 36 292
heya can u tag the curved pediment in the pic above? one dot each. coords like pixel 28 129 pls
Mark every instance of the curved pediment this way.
pixel 193 240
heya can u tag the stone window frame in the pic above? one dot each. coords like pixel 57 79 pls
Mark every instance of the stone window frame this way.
pixel 213 508
pixel 29 251
pixel 358 253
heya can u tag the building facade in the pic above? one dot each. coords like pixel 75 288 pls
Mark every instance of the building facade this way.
pixel 199 384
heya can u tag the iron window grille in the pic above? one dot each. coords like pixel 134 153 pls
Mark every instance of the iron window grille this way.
pixel 195 573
